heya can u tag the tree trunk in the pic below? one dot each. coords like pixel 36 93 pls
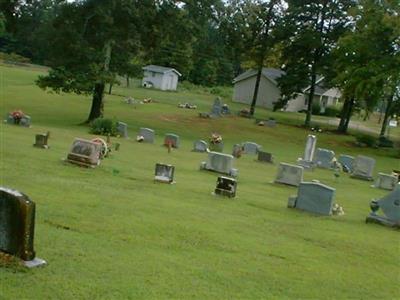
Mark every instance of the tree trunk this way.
pixel 127 81
pixel 387 114
pixel 256 88
pixel 343 115
pixel 96 109
pixel 349 113
pixel 307 122
pixel 110 89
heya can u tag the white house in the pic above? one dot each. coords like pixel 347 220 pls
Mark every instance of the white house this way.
pixel 269 92
pixel 162 78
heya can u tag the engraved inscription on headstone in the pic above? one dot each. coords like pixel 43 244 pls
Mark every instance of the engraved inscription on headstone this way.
pixel 85 153
pixel 17 226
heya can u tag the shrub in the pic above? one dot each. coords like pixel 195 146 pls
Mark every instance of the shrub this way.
pixel 104 127
pixel 385 142
pixel 332 111
pixel 316 108
pixel 367 140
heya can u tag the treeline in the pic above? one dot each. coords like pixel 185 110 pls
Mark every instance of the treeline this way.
pixel 354 44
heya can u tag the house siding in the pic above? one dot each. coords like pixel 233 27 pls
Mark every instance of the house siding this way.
pixel 162 81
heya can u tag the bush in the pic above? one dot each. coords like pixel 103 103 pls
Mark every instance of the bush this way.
pixel 385 142
pixel 14 58
pixel 104 127
pixel 316 108
pixel 367 140
pixel 332 111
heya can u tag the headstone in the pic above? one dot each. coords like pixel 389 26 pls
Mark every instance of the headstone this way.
pixel 164 173
pixel 219 162
pixel 363 167
pixel 270 123
pixel 314 197
pixel 41 140
pixel 265 157
pixel 122 129
pixel 147 134
pixel 307 160
pixel 386 181
pixel 10 119
pixel 251 148
pixel 324 158
pixel 217 147
pixel 216 110
pixel 390 207
pixel 85 153
pixel 237 150
pixel 172 139
pixel 25 121
pixel 289 174
pixel 200 146
pixel 226 186
pixel 347 162
pixel 17 226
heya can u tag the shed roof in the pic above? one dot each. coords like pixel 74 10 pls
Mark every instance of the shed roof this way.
pixel 159 69
pixel 270 73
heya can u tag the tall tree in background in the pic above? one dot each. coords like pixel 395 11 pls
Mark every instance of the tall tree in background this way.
pixel 310 32
pixel 90 39
pixel 254 22
pixel 366 61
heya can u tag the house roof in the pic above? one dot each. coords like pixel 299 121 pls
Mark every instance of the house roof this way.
pixel 159 69
pixel 270 73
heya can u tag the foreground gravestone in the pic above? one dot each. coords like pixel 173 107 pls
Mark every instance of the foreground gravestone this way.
pixel 289 174
pixel 237 150
pixel 41 140
pixel 363 167
pixel 347 163
pixel 307 160
pixel 216 110
pixel 226 186
pixel 17 226
pixel 324 158
pixel 164 173
pixel 313 197
pixel 251 148
pixel 122 129
pixel 200 146
pixel 265 157
pixel 219 162
pixel 84 153
pixel 386 181
pixel 390 207
pixel 172 139
pixel 147 134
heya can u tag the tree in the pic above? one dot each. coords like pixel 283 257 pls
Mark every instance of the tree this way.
pixel 366 60
pixel 254 22
pixel 90 40
pixel 310 31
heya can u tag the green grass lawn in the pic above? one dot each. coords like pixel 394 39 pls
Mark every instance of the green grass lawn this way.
pixel 117 235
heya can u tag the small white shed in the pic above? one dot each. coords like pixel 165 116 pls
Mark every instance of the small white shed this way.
pixel 161 78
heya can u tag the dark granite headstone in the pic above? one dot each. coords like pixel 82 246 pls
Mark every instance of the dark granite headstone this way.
pixel 226 186
pixel 164 173
pixel 265 157
pixel 17 226
pixel 41 140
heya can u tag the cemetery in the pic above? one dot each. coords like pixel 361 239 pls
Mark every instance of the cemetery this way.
pixel 102 225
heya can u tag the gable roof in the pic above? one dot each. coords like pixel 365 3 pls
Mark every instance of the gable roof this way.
pixel 159 69
pixel 270 73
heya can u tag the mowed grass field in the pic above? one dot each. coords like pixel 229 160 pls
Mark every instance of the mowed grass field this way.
pixel 111 233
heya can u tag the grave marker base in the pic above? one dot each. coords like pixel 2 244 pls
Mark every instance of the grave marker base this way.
pixel 374 218
pixel 34 263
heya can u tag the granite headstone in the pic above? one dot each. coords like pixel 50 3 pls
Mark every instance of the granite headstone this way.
pixel 289 174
